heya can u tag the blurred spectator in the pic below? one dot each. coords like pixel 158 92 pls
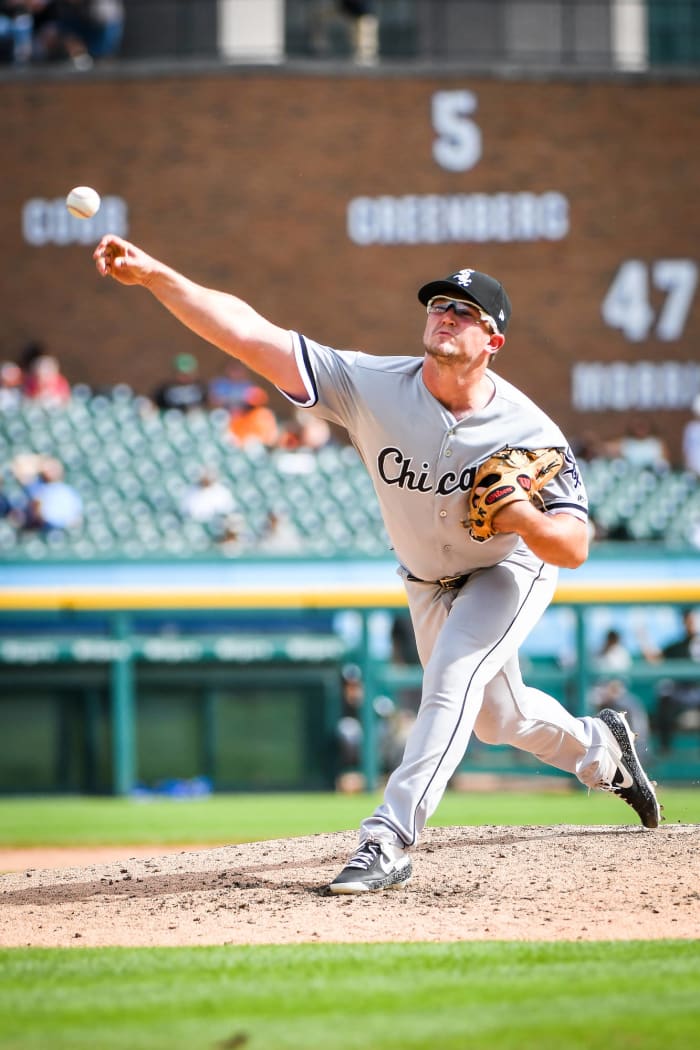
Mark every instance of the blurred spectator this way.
pixel 364 29
pixel 589 447
pixel 393 727
pixel 678 702
pixel 349 727
pixel 279 535
pixel 209 498
pixel 403 641
pixel 305 431
pixel 44 381
pixel 8 507
pixel 300 439
pixel 357 21
pixel 233 539
pixel 614 655
pixel 595 529
pixel 686 647
pixel 614 693
pixel 642 447
pixel 254 423
pixel 5 502
pixel 11 384
pixel 25 467
pixel 229 389
pixel 184 390
pixel 399 722
pixel 82 31
pixel 404 653
pixel 51 503
pixel 29 353
pixel 691 440
pixel 16 31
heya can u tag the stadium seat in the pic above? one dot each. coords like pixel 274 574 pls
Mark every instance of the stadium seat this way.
pixel 132 465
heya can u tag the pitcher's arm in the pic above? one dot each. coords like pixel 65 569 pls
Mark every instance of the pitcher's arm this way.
pixel 218 317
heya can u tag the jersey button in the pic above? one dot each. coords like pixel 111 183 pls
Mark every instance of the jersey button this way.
pixel 447 547
pixel 448 452
pixel 443 513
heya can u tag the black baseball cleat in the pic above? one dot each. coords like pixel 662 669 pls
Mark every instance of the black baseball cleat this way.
pixel 630 781
pixel 374 866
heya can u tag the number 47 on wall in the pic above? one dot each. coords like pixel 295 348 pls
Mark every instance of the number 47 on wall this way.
pixel 627 306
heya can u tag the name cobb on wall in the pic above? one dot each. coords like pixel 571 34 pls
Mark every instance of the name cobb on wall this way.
pixel 47 222
pixel 512 217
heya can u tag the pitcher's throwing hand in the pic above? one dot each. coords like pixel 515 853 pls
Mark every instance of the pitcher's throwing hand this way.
pixel 117 258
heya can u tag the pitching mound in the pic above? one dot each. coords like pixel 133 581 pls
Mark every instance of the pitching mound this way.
pixel 524 883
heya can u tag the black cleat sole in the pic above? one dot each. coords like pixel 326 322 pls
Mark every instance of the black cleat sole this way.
pixel 640 794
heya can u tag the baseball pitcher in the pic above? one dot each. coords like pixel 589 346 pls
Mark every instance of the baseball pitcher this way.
pixel 482 500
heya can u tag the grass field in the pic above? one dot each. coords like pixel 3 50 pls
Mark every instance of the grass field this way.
pixel 500 996
pixel 220 819
pixel 495 995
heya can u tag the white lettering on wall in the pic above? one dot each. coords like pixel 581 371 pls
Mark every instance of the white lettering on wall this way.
pixel 619 386
pixel 627 304
pixel 49 222
pixel 458 143
pixel 463 217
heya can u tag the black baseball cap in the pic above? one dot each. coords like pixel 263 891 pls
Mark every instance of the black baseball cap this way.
pixel 479 288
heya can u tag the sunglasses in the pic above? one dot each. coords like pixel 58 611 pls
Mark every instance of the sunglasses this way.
pixel 440 304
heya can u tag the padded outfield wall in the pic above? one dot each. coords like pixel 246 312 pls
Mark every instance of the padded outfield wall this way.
pixel 327 199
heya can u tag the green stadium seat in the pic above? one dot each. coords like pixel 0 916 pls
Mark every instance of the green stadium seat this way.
pixel 8 536
pixel 132 465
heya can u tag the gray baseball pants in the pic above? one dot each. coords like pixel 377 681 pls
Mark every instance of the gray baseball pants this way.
pixel 468 641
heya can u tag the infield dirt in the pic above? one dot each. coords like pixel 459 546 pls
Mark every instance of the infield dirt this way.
pixel 470 883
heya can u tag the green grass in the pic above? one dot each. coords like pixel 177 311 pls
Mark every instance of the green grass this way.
pixel 244 818
pixel 504 996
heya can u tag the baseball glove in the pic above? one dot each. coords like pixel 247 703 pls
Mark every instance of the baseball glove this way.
pixel 509 476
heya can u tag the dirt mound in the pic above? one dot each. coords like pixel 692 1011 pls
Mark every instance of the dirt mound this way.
pixel 524 883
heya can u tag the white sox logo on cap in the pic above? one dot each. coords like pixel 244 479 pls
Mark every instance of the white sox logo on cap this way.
pixel 485 291
pixel 464 277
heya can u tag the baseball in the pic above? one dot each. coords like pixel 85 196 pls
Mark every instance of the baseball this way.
pixel 83 202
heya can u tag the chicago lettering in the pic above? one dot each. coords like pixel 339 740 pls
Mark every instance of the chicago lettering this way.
pixel 396 469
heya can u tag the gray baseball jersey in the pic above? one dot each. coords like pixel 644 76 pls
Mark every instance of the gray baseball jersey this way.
pixel 422 460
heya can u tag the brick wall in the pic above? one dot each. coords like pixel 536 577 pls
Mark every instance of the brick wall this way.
pixel 243 179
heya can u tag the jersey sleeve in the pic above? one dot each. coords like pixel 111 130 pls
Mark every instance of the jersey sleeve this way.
pixel 566 493
pixel 330 380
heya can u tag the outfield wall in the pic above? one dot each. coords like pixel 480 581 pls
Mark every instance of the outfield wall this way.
pixel 328 198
